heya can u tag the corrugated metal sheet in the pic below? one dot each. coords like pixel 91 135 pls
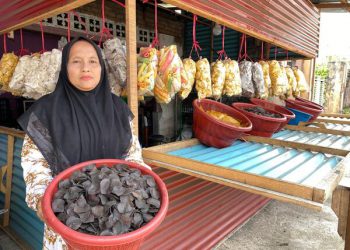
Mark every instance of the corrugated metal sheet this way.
pixel 23 220
pixel 292 25
pixel 201 213
pixel 14 12
pixel 320 139
pixel 296 166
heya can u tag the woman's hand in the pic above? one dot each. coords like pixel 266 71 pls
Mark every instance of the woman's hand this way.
pixel 39 211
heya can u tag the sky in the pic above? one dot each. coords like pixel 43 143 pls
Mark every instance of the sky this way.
pixel 334 35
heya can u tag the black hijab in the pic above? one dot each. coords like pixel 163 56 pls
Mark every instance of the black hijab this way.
pixel 70 126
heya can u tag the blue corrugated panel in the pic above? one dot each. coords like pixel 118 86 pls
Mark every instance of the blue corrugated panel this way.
pixel 287 164
pixel 320 139
pixel 23 220
pixel 337 126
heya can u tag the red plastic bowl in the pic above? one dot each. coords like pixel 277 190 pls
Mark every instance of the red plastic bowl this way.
pixel 304 107
pixel 213 132
pixel 310 102
pixel 278 108
pixel 262 125
pixel 77 240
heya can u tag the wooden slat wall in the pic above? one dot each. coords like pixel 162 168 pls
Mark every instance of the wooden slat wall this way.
pixel 292 25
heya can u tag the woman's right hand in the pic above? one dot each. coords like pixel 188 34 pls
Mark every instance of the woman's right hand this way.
pixel 39 211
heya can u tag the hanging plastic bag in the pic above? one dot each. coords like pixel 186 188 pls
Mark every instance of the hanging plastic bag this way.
pixel 146 71
pixel 189 66
pixel 258 81
pixel 267 79
pixel 292 81
pixel 232 85
pixel 302 85
pixel 218 71
pixel 168 80
pixel 115 53
pixel 245 69
pixel 8 64
pixel 278 82
pixel 203 79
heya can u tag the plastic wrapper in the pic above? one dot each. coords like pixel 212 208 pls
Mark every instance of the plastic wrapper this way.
pixel 189 66
pixel 232 84
pixel 146 70
pixel 258 81
pixel 217 78
pixel 203 79
pixel 278 82
pixel 16 85
pixel 115 53
pixel 302 85
pixel 8 64
pixel 245 68
pixel 36 75
pixel 292 82
pixel 168 80
pixel 267 79
pixel 285 80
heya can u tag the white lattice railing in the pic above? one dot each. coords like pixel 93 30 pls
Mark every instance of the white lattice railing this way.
pixel 94 26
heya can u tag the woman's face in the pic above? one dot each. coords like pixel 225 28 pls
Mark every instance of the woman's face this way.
pixel 84 68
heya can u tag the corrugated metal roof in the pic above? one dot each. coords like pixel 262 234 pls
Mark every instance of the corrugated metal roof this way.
pixel 296 166
pixel 293 25
pixel 23 220
pixel 320 139
pixel 201 213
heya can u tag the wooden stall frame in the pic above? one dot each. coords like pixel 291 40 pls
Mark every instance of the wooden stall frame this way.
pixel 277 189
pixel 325 120
pixel 321 128
pixel 334 115
pixel 6 172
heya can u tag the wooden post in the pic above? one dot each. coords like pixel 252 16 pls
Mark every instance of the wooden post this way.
pixel 130 7
pixel 10 149
pixel 340 205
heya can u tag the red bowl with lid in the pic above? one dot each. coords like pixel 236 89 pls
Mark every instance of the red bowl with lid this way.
pixel 262 125
pixel 213 132
pixel 278 108
pixel 304 107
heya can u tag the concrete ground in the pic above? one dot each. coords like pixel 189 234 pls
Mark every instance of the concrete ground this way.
pixel 285 226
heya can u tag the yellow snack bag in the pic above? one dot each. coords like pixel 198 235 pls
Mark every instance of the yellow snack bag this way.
pixel 217 78
pixel 203 79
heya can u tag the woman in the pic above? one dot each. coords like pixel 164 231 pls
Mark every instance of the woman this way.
pixel 81 120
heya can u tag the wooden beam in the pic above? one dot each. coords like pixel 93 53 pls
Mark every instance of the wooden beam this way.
pixel 12 131
pixel 326 120
pixel 318 130
pixel 10 150
pixel 334 115
pixel 130 7
pixel 73 4
pixel 343 5
pixel 296 145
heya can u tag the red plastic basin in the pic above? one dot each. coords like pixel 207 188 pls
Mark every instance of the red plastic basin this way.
pixel 304 107
pixel 278 108
pixel 77 240
pixel 310 102
pixel 213 132
pixel 262 125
